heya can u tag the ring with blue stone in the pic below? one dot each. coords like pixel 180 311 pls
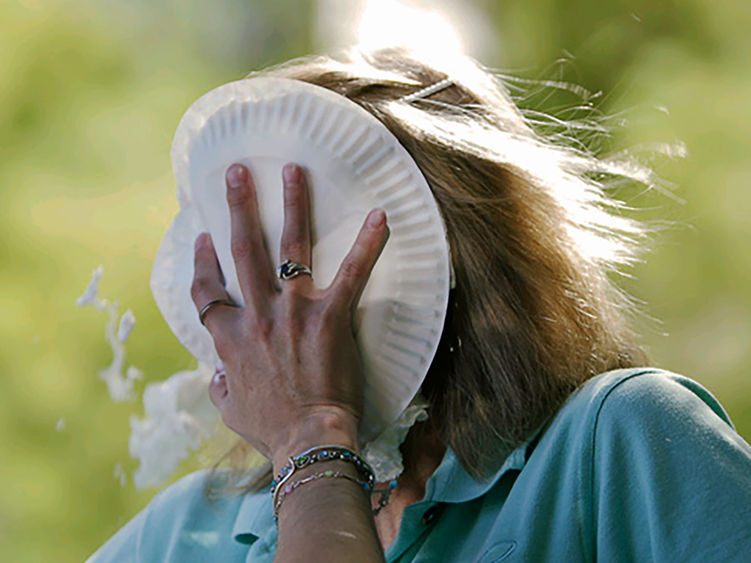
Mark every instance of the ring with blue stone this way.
pixel 289 269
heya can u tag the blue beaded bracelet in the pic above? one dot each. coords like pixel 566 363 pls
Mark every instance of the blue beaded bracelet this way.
pixel 323 453
pixel 291 486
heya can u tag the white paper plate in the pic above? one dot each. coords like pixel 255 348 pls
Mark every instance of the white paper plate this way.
pixel 353 164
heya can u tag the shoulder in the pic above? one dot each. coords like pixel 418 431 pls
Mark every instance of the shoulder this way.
pixel 191 490
pixel 637 414
pixel 182 518
pixel 657 457
pixel 631 468
pixel 638 394
pixel 622 403
pixel 189 508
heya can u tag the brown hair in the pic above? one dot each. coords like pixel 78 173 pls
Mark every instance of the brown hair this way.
pixel 533 239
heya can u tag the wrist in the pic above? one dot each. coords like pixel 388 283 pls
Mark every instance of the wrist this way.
pixel 318 429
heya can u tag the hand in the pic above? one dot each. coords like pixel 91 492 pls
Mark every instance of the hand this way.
pixel 294 377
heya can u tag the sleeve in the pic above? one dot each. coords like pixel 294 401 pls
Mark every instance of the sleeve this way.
pixel 671 479
pixel 182 524
pixel 124 545
pixel 158 531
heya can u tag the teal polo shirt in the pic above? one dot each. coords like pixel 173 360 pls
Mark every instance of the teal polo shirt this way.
pixel 638 465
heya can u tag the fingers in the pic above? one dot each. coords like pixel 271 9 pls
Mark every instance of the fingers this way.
pixel 295 244
pixel 254 270
pixel 355 270
pixel 208 282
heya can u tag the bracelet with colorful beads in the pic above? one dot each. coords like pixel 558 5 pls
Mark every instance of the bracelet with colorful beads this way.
pixel 288 488
pixel 318 454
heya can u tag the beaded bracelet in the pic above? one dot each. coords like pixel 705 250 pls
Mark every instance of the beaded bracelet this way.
pixel 287 489
pixel 322 453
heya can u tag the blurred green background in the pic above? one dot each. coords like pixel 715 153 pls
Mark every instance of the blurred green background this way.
pixel 91 93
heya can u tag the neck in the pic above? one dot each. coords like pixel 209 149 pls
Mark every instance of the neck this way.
pixel 422 452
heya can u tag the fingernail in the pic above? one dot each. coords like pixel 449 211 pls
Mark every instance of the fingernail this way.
pixel 237 176
pixel 201 240
pixel 376 218
pixel 291 173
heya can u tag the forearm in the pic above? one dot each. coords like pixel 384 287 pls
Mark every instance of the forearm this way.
pixel 328 518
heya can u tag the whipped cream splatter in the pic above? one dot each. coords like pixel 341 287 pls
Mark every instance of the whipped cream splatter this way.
pixel 179 417
pixel 119 385
pixel 383 453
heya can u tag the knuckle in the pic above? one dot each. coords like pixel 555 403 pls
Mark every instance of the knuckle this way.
pixel 238 198
pixel 289 309
pixel 352 270
pixel 262 328
pixel 293 196
pixel 242 249
pixel 223 348
pixel 330 312
pixel 294 248
pixel 199 287
pixel 296 311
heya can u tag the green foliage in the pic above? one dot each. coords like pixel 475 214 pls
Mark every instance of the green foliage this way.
pixel 88 106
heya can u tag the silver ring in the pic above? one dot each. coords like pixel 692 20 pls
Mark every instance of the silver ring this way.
pixel 206 308
pixel 289 269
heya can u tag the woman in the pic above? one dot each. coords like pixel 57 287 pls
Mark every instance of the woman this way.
pixel 545 440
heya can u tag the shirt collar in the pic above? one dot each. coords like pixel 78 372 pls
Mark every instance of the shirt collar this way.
pixel 449 483
pixel 255 517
